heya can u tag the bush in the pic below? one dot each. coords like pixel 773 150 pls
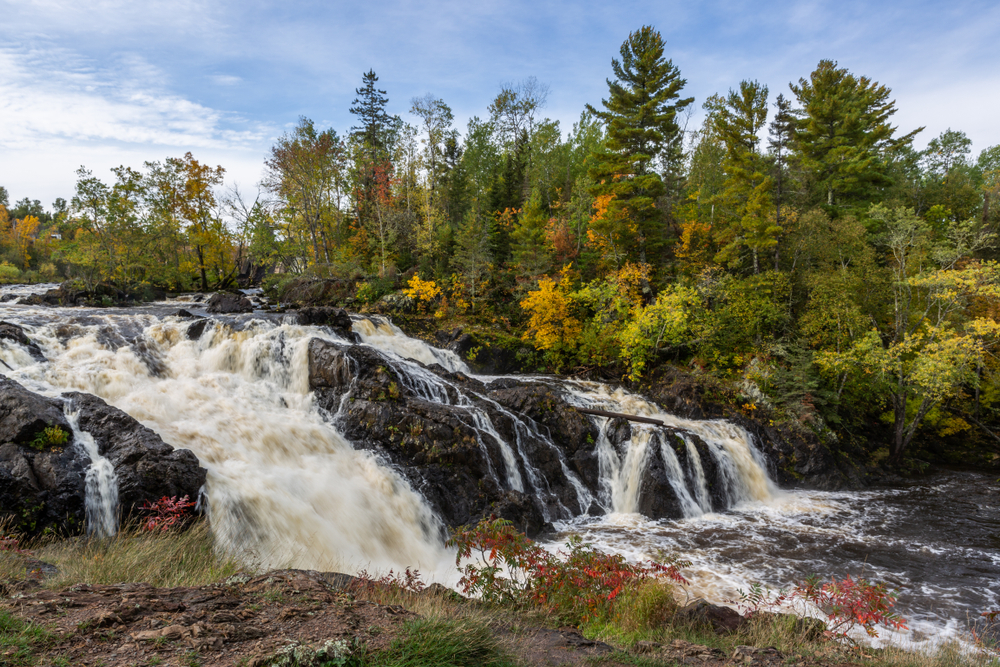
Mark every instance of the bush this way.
pixel 579 585
pixel 9 273
pixel 374 289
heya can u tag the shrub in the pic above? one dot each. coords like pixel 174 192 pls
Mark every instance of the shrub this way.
pixel 848 603
pixel 853 602
pixel 167 512
pixel 9 273
pixel 579 585
pixel 374 289
pixel 422 291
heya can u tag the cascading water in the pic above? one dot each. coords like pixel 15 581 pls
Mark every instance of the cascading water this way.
pixel 740 463
pixel 100 485
pixel 286 489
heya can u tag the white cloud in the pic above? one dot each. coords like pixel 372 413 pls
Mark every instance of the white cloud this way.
pixel 52 96
pixel 225 79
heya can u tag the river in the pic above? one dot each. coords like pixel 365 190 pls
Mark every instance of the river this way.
pixel 287 489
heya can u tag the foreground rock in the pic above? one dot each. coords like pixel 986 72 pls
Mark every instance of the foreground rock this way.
pixel 43 469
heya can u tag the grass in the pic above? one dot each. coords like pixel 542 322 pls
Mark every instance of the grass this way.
pixel 436 642
pixel 161 558
pixel 19 639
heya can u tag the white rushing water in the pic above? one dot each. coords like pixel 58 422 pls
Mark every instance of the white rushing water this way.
pixel 100 483
pixel 731 447
pixel 286 489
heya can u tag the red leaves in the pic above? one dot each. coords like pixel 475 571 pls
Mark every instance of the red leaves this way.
pixel 12 544
pixel 852 602
pixel 167 512
pixel 408 581
pixel 581 584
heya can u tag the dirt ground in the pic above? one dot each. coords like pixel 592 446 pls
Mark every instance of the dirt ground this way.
pixel 245 621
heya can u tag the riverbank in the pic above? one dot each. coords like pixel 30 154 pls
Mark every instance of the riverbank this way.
pixel 167 598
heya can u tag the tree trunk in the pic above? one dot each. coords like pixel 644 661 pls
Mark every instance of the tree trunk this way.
pixel 201 268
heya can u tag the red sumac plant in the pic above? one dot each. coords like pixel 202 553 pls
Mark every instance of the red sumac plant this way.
pixel 167 512
pixel 852 602
pixel 503 566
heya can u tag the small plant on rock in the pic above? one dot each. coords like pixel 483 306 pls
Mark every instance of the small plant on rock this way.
pixel 50 436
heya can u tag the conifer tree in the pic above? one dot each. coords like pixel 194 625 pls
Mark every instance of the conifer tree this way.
pixel 642 134
pixel 842 133
pixel 472 252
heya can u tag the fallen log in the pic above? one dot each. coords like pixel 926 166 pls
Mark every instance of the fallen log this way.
pixel 631 418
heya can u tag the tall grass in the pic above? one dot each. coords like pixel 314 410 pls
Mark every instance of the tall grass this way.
pixel 161 558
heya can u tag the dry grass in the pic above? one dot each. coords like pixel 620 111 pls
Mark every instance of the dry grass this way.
pixel 161 558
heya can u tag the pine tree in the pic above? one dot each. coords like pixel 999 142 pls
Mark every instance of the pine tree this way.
pixel 528 238
pixel 472 254
pixel 780 132
pixel 745 199
pixel 642 134
pixel 842 133
pixel 369 107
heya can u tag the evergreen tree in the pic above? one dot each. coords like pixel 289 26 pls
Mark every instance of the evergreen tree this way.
pixel 642 133
pixel 528 238
pixel 746 194
pixel 842 133
pixel 369 107
pixel 472 252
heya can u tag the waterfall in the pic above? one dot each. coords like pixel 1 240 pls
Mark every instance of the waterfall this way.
pixel 100 485
pixel 285 488
pixel 391 341
pixel 731 447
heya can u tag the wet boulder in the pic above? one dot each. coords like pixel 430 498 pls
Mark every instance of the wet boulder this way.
pixel 337 319
pixel 15 333
pixel 41 475
pixel 431 426
pixel 227 303
pixel 43 468
pixel 146 467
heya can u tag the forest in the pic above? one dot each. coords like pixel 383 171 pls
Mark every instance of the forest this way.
pixel 795 248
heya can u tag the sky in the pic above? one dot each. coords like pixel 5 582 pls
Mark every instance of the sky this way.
pixel 103 83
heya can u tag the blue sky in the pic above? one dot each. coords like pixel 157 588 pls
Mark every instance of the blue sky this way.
pixel 108 82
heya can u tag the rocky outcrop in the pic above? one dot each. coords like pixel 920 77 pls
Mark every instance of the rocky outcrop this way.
pixel 102 295
pixel 337 319
pixel 43 470
pixel 146 467
pixel 447 432
pixel 227 303
pixel 15 333
pixel 41 483
pixel 427 428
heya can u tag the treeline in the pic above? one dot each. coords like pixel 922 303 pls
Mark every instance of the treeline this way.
pixel 798 245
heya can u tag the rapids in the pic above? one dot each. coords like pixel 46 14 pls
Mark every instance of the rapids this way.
pixel 285 488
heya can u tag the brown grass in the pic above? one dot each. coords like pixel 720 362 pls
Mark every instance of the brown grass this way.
pixel 161 558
